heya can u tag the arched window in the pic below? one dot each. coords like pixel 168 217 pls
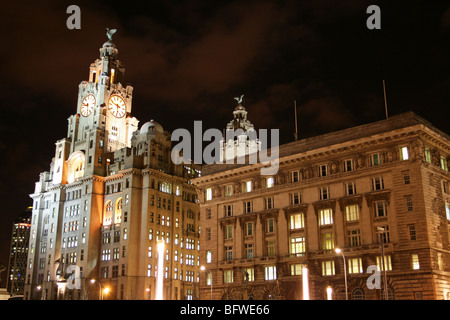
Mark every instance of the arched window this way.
pixel 358 294
pixel 118 214
pixel 107 217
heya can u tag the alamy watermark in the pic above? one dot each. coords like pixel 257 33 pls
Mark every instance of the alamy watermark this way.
pixel 237 146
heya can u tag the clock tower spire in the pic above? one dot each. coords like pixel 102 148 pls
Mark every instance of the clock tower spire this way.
pixel 103 122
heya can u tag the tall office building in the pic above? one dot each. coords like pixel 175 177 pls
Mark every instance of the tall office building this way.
pixel 18 254
pixel 112 194
pixel 275 237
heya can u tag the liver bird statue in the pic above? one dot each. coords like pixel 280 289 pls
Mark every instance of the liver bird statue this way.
pixel 109 33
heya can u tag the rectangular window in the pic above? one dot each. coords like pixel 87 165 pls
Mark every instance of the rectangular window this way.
pixel 447 210
pixel 228 276
pixel 295 176
pixel 270 225
pixel 228 253
pixel 270 182
pixel 297 246
pixel 208 194
pixel 379 209
pixel 377 183
pixel 248 207
pixel 229 190
pixel 406 177
pixel 375 159
pixel 355 266
pixel 228 210
pixel 387 263
pixel 249 273
pixel 350 188
pixel 249 250
pixel 270 247
pixel 404 154
pixel 246 186
pixel 249 228
pixel 444 164
pixel 297 221
pixel 325 217
pixel 322 170
pixel 427 155
pixel 268 203
pixel 208 256
pixel 270 273
pixel 295 198
pixel 412 232
pixel 348 165
pixel 354 237
pixel 328 268
pixel 415 261
pixel 409 203
pixel 324 193
pixel 229 232
pixel 352 212
pixel 296 269
pixel 327 240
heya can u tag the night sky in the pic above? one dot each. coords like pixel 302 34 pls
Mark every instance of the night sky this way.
pixel 188 60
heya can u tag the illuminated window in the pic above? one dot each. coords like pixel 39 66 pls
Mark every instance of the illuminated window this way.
pixel 387 263
pixel 208 194
pixel 352 212
pixel 270 182
pixel 270 273
pixel 297 221
pixel 325 217
pixel 327 240
pixel 415 261
pixel 247 186
pixel 328 268
pixel 355 265
pixel 297 246
pixel 296 269
pixel 228 276
pixel 444 164
pixel 228 190
pixel 404 155
pixel 427 155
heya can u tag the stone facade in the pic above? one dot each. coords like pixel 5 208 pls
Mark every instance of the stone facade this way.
pixel 332 191
pixel 111 194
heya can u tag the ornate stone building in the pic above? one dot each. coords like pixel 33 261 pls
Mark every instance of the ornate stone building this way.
pixel 111 194
pixel 384 182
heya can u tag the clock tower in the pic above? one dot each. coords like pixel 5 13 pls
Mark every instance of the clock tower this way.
pixel 103 123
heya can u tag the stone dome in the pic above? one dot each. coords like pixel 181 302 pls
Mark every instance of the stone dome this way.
pixel 151 125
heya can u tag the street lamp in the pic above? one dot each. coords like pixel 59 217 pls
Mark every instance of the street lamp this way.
pixel 380 230
pixel 106 290
pixel 345 271
pixel 202 268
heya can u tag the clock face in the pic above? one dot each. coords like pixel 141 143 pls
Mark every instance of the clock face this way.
pixel 87 105
pixel 117 106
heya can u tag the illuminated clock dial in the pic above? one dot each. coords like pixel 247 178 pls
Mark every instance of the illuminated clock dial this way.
pixel 117 106
pixel 87 105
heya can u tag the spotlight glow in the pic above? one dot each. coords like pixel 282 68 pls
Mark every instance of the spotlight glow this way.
pixel 160 277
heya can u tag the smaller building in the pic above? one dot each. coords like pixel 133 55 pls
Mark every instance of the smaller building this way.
pixel 18 254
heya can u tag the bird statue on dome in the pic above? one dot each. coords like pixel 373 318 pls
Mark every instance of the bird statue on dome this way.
pixel 109 33
pixel 239 99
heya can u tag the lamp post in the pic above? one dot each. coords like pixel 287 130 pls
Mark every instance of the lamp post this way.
pixel 202 268
pixel 381 230
pixel 106 290
pixel 345 271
